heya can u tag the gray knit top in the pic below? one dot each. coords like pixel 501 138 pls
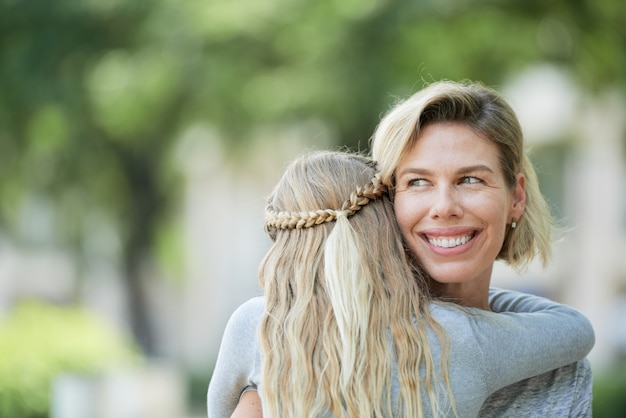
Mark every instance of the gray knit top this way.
pixel 524 337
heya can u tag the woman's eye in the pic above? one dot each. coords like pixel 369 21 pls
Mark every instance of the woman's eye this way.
pixel 470 180
pixel 417 182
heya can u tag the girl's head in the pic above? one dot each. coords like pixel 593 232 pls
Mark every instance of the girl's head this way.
pixel 336 280
pixel 485 112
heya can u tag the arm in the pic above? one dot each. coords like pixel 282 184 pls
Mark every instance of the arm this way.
pixel 249 406
pixel 236 365
pixel 501 300
pixel 529 335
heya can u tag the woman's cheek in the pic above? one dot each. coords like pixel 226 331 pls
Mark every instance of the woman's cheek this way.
pixel 406 217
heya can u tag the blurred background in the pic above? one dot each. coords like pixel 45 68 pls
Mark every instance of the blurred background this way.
pixel 139 139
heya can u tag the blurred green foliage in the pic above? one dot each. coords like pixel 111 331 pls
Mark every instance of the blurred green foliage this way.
pixel 609 392
pixel 39 341
pixel 94 95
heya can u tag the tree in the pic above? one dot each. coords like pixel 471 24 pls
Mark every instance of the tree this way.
pixel 93 95
pixel 71 138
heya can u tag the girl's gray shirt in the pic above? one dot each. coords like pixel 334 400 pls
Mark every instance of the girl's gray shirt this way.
pixel 523 336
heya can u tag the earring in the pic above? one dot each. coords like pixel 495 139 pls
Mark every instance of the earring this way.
pixel 513 223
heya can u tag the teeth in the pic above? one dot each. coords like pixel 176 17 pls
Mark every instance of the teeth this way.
pixel 449 242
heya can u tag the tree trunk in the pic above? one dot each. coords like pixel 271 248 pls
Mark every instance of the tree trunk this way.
pixel 140 224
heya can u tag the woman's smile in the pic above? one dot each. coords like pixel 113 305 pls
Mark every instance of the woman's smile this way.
pixel 449 242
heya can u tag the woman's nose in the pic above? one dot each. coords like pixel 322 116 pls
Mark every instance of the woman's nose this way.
pixel 446 203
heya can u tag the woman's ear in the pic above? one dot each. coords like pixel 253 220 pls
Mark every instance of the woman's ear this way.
pixel 518 204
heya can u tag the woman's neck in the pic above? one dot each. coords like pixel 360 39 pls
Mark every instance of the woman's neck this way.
pixel 471 294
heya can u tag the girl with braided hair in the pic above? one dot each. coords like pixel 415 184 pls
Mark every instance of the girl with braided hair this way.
pixel 346 326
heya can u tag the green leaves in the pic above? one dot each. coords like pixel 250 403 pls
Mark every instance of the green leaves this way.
pixel 129 90
pixel 38 341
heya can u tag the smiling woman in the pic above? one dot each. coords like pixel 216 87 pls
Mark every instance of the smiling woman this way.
pixel 466 195
pixel 453 205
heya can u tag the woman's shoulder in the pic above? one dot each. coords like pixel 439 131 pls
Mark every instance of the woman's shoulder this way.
pixel 241 330
pixel 247 315
pixel 254 305
pixel 245 319
pixel 456 319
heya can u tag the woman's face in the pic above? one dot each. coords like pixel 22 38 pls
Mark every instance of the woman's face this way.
pixel 453 204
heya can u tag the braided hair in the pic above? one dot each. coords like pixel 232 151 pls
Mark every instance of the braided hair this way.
pixel 306 219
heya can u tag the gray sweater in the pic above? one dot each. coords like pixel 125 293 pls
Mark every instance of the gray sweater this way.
pixel 524 336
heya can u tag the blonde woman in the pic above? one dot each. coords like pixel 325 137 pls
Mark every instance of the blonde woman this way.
pixel 346 327
pixel 466 195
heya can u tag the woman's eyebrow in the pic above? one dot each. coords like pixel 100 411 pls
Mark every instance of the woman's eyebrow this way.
pixel 462 170
pixel 474 168
pixel 414 170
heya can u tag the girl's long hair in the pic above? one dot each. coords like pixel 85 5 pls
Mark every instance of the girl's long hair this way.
pixel 342 300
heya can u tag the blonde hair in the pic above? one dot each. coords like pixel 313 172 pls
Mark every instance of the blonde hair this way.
pixel 342 300
pixel 487 113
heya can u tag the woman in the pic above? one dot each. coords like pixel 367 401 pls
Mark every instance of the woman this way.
pixel 346 327
pixel 466 195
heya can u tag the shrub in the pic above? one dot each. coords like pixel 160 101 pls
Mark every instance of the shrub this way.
pixel 39 340
pixel 609 392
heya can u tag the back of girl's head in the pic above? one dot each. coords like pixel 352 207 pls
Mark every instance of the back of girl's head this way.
pixel 304 206
pixel 486 112
pixel 335 280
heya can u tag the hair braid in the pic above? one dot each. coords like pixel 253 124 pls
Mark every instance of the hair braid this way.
pixel 306 219
pixel 363 195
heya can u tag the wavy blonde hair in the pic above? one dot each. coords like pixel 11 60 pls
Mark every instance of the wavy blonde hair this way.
pixel 342 300
pixel 487 113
